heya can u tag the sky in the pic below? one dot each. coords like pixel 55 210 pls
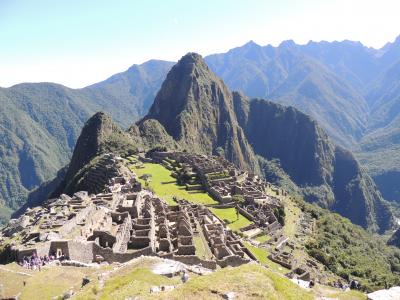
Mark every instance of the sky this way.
pixel 79 42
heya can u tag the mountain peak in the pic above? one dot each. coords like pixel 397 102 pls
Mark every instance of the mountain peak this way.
pixel 191 57
pixel 196 109
pixel 287 44
pixel 99 118
pixel 188 82
pixel 251 44
pixel 397 40
pixel 189 62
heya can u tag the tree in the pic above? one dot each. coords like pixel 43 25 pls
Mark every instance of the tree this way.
pixel 146 178
pixel 279 213
pixel 239 199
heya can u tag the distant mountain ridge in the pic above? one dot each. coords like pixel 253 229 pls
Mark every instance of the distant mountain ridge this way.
pixel 348 88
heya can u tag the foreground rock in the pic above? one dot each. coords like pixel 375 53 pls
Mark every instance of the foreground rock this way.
pixel 390 294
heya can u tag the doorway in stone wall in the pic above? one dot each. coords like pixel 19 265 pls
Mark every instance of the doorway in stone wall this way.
pixel 59 253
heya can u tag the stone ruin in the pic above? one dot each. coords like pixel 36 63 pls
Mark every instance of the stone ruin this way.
pixel 223 182
pixel 124 222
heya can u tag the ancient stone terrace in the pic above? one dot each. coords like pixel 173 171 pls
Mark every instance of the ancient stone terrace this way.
pixel 220 177
pixel 262 215
pixel 226 184
pixel 122 223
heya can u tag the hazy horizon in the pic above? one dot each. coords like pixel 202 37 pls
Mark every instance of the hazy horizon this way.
pixel 77 44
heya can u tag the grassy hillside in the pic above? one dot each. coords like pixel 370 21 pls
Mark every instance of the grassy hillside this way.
pixel 250 281
pixel 351 252
pixel 135 278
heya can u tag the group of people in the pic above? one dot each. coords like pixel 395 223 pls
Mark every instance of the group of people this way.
pixel 34 262
pixel 340 285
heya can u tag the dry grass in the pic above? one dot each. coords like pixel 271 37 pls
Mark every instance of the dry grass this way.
pixel 50 282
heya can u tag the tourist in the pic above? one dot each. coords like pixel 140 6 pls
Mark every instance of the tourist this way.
pixel 85 281
pixel 185 276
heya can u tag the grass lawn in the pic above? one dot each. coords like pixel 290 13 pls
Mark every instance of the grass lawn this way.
pixel 132 280
pixel 263 238
pixel 137 282
pixel 45 284
pixel 292 214
pixel 202 249
pixel 230 215
pixel 261 255
pixel 249 281
pixel 165 186
pixel 332 293
pixel 11 283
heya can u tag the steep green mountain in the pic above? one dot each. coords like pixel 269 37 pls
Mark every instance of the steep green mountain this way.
pixel 351 252
pixel 316 91
pixel 380 147
pixel 99 136
pixel 196 109
pixel 351 61
pixel 41 122
pixel 127 96
pixel 258 70
pixel 199 112
pixel 325 173
pixel 389 54
pixel 150 134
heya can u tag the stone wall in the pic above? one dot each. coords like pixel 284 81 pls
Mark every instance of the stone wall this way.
pixel 57 246
pixel 232 261
pixel 195 260
pixel 70 224
pixel 227 205
pixel 111 256
pixel 186 250
pixel 283 263
pixel 81 251
pixel 246 214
